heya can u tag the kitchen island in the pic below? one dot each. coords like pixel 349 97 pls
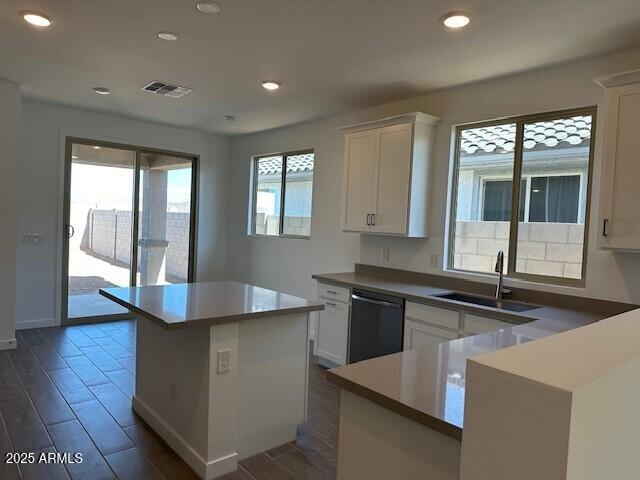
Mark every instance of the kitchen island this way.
pixel 221 370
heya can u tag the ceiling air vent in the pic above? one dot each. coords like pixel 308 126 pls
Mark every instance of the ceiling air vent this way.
pixel 166 89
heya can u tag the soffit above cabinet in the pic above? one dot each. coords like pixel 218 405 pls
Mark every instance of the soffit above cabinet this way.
pixel 411 117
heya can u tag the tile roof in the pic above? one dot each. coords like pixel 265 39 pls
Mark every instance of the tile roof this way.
pixel 562 133
pixel 295 163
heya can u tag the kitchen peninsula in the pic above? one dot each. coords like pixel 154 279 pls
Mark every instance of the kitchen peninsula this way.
pixel 222 368
pixel 522 394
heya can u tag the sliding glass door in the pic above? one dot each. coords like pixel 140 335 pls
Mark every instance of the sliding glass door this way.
pixel 114 194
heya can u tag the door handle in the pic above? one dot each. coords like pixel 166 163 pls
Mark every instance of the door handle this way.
pixel 605 227
pixel 70 230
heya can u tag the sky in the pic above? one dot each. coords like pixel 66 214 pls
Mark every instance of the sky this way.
pixel 104 187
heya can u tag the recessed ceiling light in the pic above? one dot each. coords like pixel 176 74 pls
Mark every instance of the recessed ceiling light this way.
pixel 270 85
pixel 101 90
pixel 456 19
pixel 230 118
pixel 169 36
pixel 208 7
pixel 36 18
pixel 97 147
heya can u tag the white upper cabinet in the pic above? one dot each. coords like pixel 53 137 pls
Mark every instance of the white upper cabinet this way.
pixel 619 218
pixel 386 175
pixel 359 170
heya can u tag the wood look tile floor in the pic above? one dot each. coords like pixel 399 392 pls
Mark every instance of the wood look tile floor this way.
pixel 69 390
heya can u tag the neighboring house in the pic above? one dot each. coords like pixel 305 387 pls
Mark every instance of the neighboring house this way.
pixel 554 172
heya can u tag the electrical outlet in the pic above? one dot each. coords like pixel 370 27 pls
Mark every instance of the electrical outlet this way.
pixel 433 260
pixel 224 361
pixel 173 391
pixel 385 254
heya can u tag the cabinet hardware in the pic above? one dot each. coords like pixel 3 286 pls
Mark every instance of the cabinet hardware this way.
pixel 368 219
pixel 605 227
pixel 331 304
pixel 373 219
pixel 332 292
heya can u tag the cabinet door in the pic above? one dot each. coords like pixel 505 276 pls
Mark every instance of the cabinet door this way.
pixel 393 176
pixel 418 335
pixel 359 166
pixel 333 330
pixel 474 325
pixel 438 317
pixel 620 192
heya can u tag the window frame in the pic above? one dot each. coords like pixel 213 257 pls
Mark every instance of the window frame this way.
pixel 283 187
pixel 516 179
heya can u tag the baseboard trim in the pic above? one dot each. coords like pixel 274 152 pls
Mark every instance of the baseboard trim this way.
pixel 36 323
pixel 205 469
pixel 8 344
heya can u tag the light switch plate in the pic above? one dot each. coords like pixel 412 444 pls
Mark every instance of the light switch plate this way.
pixel 32 239
pixel 224 361
pixel 433 260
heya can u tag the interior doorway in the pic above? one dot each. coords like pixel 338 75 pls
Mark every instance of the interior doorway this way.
pixel 129 220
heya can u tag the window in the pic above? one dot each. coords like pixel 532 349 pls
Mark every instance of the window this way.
pixel 496 204
pixel 282 194
pixel 548 158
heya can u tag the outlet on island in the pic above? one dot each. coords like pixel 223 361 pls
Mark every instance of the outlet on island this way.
pixel 224 360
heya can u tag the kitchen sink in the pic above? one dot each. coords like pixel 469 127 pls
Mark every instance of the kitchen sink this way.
pixel 488 302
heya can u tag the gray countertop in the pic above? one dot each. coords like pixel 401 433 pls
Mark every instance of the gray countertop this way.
pixel 206 303
pixel 428 385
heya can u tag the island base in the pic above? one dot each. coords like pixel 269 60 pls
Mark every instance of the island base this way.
pixel 214 412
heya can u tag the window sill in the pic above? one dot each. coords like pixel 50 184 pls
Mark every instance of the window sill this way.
pixel 556 285
pixel 293 237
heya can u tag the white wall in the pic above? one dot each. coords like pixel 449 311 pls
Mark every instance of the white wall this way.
pixel 40 195
pixel 9 157
pixel 287 264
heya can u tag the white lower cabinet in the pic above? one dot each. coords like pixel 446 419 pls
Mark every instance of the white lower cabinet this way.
pixel 332 331
pixel 474 325
pixel 426 325
pixel 418 334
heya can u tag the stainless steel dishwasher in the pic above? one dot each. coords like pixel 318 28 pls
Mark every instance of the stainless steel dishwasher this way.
pixel 377 325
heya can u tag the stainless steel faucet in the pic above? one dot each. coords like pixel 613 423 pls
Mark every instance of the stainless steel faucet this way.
pixel 500 290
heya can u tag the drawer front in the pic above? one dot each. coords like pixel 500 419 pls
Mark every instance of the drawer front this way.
pixel 331 292
pixel 435 316
pixel 419 335
pixel 474 325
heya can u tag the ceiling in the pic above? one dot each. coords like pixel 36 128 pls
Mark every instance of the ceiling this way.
pixel 331 56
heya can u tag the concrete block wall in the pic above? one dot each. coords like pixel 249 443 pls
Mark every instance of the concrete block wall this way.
pixel 177 260
pixel 109 232
pixel 123 237
pixel 553 249
pixel 269 225
pixel 102 228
